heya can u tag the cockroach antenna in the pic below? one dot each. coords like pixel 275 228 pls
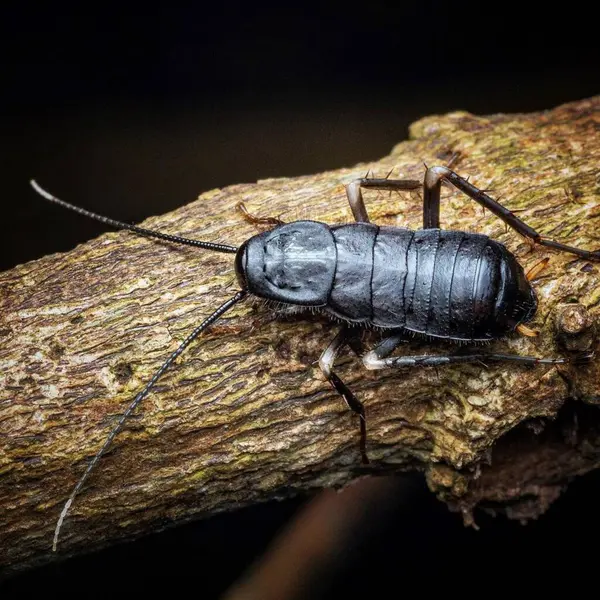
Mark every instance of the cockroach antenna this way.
pixel 240 295
pixel 140 230
pixel 111 436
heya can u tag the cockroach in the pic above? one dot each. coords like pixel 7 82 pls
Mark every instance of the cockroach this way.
pixel 439 284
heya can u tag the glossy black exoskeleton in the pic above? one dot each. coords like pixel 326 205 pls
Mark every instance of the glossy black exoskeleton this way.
pixel 445 284
pixel 450 285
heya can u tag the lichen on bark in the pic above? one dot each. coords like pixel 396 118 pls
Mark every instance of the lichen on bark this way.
pixel 245 414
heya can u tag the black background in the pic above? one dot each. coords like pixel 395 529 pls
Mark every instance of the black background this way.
pixel 134 112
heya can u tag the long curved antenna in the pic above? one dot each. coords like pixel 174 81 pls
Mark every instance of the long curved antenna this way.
pixel 121 225
pixel 111 436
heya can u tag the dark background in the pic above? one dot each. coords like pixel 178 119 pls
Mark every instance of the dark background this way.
pixel 135 112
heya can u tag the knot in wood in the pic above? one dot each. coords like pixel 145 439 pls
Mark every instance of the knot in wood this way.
pixel 574 327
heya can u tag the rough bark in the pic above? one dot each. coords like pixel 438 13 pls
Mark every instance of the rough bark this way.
pixel 245 414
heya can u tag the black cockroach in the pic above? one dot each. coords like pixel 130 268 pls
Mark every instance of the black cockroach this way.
pixel 450 285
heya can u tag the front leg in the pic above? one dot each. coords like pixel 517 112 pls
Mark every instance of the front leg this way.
pixel 251 218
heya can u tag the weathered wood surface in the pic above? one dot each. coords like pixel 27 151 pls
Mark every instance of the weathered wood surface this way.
pixel 245 414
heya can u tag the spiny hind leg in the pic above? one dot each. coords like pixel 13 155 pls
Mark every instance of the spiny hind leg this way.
pixel 379 358
pixel 431 210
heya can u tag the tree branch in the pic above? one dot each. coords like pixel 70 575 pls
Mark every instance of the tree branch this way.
pixel 245 415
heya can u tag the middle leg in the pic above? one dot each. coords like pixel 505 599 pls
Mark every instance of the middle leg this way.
pixel 356 200
pixel 326 361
